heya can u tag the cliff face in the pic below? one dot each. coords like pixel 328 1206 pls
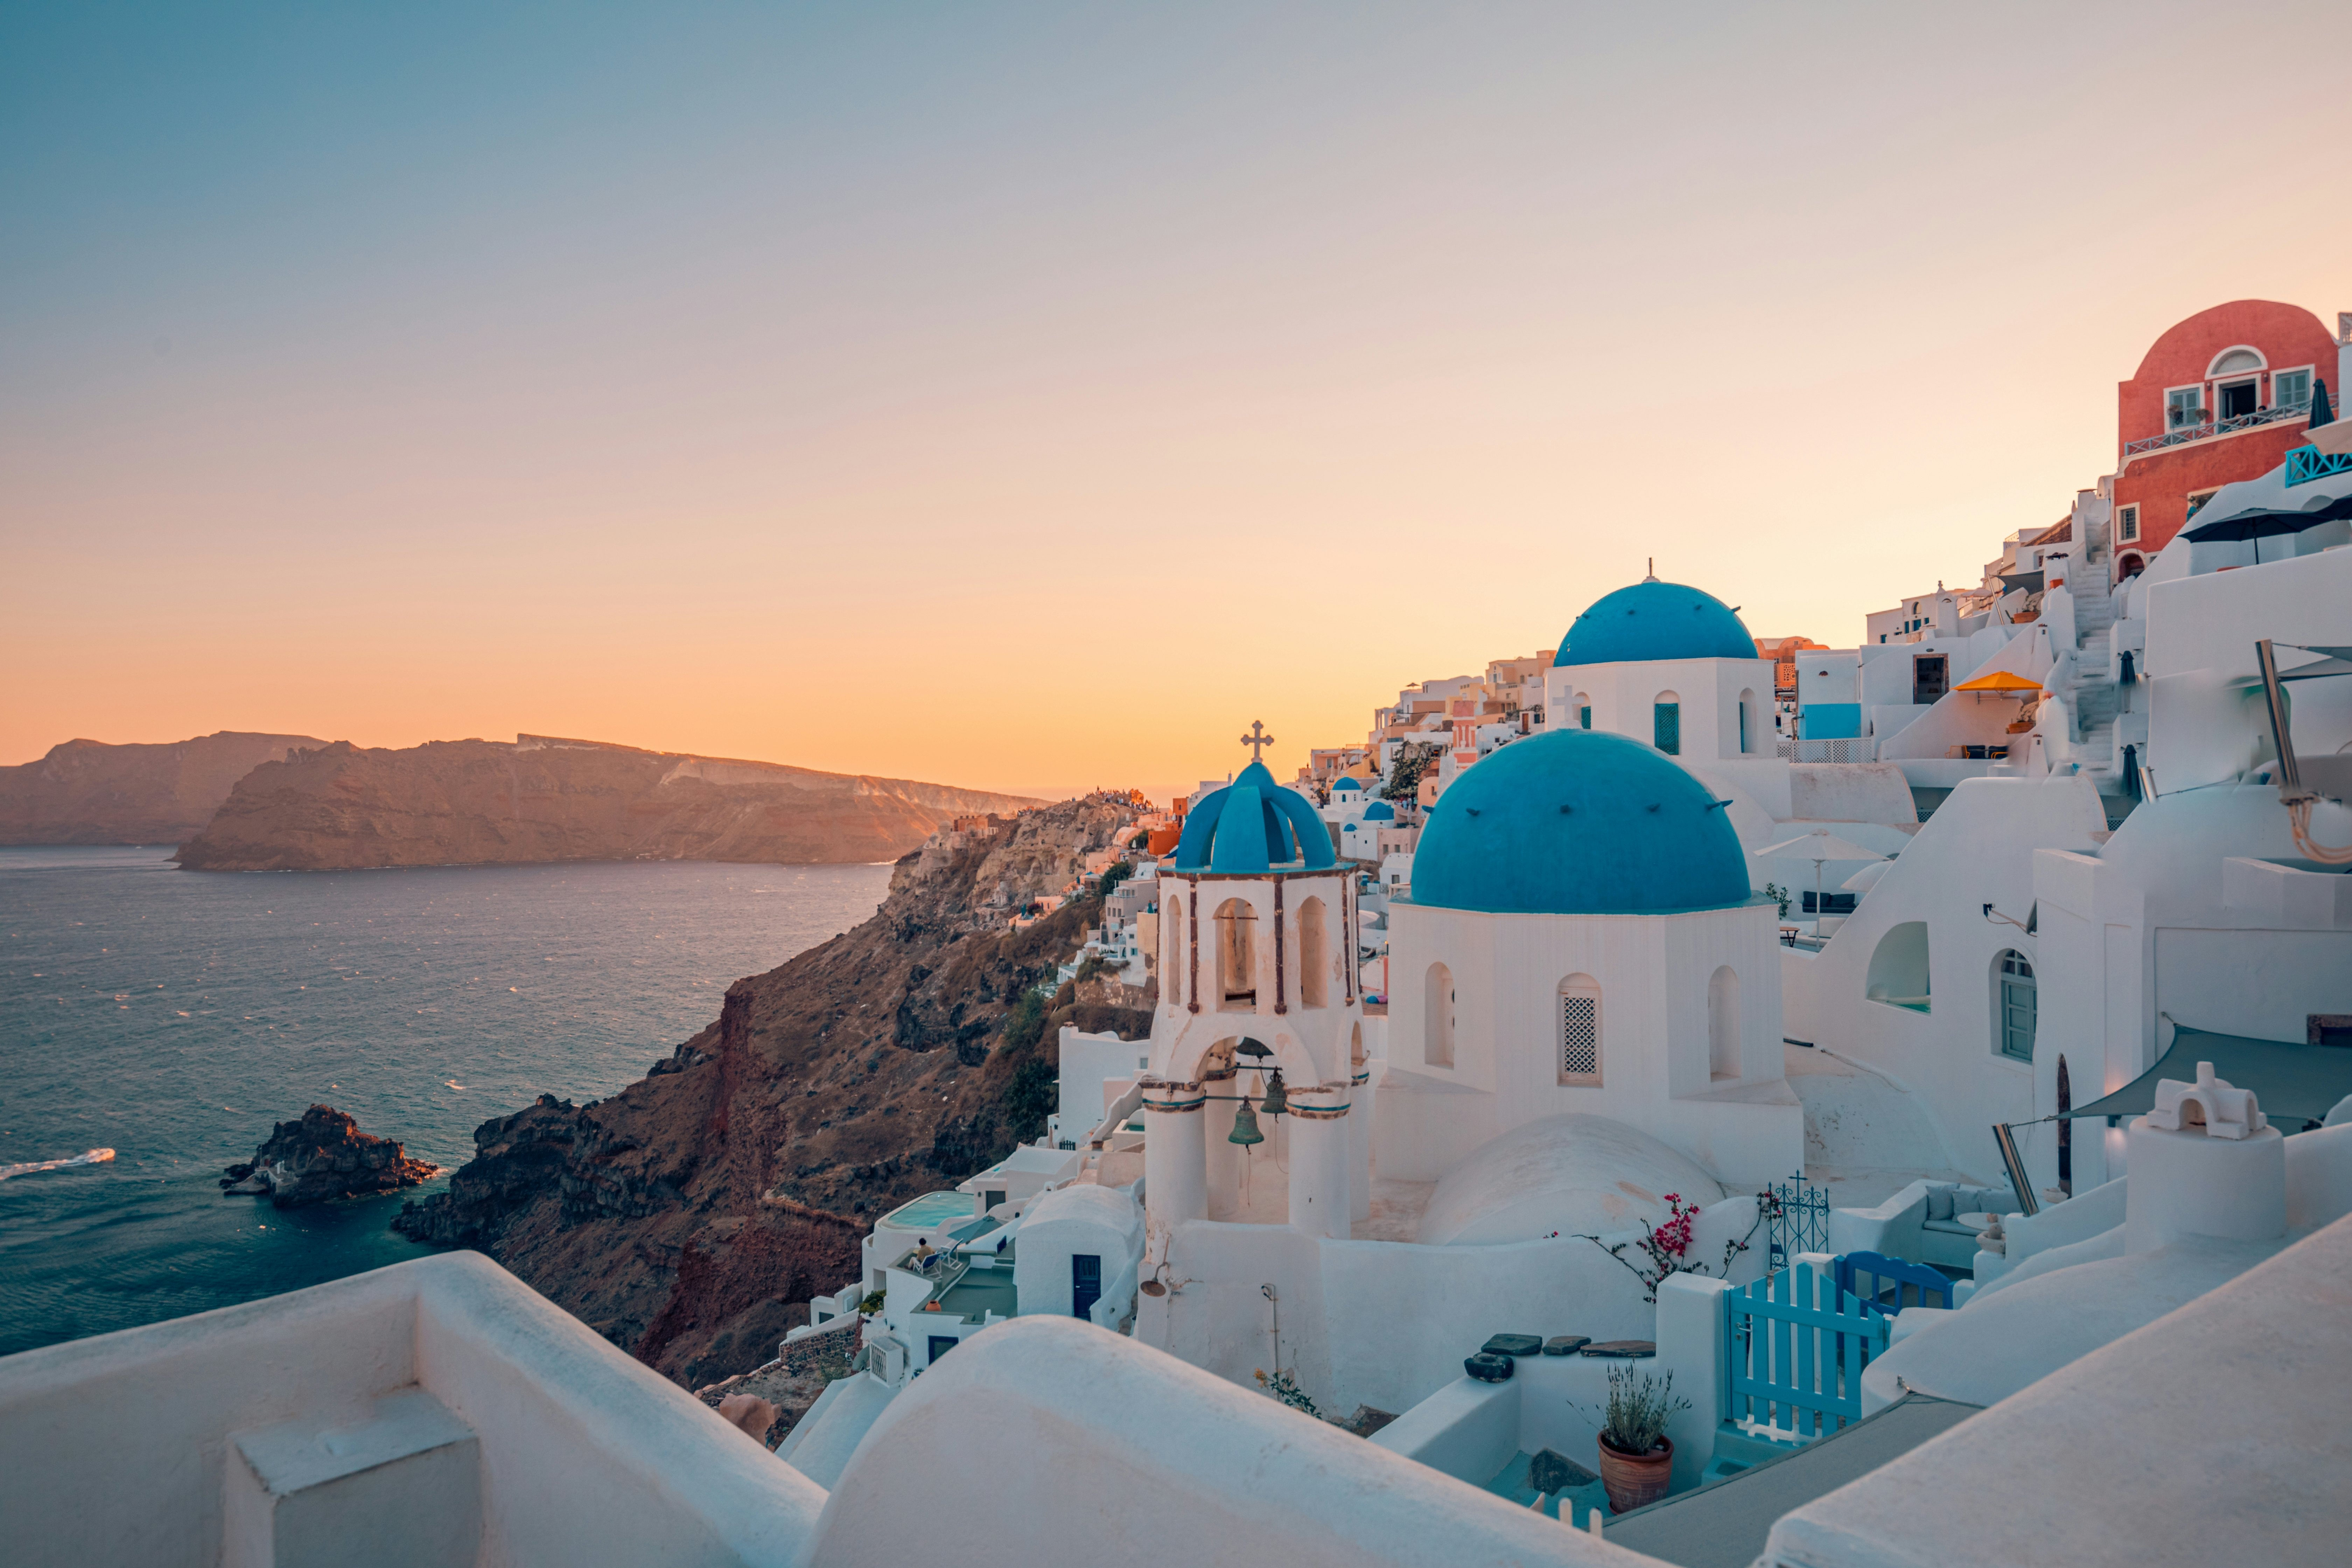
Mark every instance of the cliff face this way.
pixel 340 808
pixel 86 792
pixel 690 1218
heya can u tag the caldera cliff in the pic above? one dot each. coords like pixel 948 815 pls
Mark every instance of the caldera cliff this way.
pixel 88 792
pixel 342 807
pixel 690 1218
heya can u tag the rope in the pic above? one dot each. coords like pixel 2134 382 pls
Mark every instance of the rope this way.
pixel 2298 816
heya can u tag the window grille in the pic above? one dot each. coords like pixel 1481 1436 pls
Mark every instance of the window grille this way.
pixel 1579 1038
pixel 1666 726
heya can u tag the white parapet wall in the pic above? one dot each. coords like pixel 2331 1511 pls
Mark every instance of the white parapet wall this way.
pixel 118 1448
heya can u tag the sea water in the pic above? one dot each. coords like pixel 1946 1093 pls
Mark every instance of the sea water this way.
pixel 175 1016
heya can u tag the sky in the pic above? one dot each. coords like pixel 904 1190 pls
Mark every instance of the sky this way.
pixel 1030 396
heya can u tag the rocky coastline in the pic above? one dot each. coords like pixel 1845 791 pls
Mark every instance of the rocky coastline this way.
pixel 322 1156
pixel 690 1218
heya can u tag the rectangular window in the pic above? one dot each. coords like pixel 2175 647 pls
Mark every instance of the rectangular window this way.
pixel 2290 389
pixel 1579 1040
pixel 1666 728
pixel 2127 523
pixel 1584 716
pixel 2184 406
pixel 1743 727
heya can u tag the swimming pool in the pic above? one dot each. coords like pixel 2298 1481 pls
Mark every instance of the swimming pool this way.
pixel 932 1210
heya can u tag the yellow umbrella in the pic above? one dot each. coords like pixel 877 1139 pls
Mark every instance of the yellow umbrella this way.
pixel 2000 681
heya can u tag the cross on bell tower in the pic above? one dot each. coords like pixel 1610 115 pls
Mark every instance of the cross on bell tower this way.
pixel 1257 739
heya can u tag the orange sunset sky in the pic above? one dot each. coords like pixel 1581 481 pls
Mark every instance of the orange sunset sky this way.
pixel 1029 396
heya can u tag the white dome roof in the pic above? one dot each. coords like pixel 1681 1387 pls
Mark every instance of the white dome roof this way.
pixel 1577 1175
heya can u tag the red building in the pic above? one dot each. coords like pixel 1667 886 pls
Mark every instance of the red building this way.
pixel 2223 397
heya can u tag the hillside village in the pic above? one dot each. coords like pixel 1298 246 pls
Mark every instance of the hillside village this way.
pixel 1929 1048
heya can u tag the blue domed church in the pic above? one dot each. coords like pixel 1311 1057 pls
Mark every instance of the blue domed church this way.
pixel 1667 665
pixel 1581 939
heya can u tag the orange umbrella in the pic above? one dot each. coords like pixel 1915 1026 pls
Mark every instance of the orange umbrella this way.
pixel 2000 681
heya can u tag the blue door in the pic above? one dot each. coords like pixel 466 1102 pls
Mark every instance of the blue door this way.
pixel 1086 1283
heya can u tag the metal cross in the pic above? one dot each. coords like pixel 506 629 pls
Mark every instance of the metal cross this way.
pixel 1257 739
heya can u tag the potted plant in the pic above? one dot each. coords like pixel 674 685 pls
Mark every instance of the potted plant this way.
pixel 1636 1457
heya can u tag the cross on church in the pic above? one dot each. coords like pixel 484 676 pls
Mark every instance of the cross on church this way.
pixel 1257 739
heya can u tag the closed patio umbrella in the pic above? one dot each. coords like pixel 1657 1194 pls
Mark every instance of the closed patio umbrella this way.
pixel 1819 846
pixel 2268 508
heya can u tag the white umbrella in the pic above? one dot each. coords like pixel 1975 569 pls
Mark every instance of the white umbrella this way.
pixel 1862 881
pixel 1819 846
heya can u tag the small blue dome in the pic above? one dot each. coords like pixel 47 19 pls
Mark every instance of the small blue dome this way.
pixel 1347 784
pixel 1253 825
pixel 1654 620
pixel 1579 822
pixel 1380 811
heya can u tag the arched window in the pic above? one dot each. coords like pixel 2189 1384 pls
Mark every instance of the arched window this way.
pixel 1236 955
pixel 1437 1016
pixel 2065 1131
pixel 1171 930
pixel 1580 1032
pixel 1313 957
pixel 1746 722
pixel 1723 1024
pixel 1898 967
pixel 1667 723
pixel 1356 1048
pixel 1584 710
pixel 2129 567
pixel 2235 361
pixel 2014 1007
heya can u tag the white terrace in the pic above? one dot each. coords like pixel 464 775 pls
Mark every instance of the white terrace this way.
pixel 440 1413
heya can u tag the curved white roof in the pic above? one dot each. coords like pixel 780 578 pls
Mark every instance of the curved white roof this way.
pixel 1577 1175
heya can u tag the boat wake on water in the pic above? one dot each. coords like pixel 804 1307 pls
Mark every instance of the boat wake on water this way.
pixel 94 1157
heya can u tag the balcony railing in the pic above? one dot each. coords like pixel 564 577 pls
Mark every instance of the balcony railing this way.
pixel 2306 464
pixel 2203 427
pixel 1843 749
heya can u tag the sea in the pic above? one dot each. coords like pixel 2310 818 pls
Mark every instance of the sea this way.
pixel 174 1017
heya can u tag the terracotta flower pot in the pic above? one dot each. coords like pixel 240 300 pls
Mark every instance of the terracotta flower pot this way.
pixel 1633 1480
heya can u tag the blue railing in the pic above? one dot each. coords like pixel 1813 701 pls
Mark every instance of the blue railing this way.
pixel 1800 1221
pixel 2306 464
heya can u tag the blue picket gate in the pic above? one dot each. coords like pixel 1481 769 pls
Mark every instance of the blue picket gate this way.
pixel 1798 1346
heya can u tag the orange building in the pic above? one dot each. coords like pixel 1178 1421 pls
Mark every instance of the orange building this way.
pixel 2221 396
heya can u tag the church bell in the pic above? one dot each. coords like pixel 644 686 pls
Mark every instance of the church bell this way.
pixel 1245 1130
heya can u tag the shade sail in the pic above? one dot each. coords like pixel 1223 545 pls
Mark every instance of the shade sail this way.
pixel 2295 1085
pixel 2000 681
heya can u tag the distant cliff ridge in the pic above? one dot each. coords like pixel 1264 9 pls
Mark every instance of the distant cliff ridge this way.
pixel 86 791
pixel 451 802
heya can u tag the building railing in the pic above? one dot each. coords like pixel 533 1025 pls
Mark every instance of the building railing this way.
pixel 2306 464
pixel 1851 749
pixel 2203 427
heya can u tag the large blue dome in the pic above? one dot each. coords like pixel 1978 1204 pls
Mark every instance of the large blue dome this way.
pixel 1252 824
pixel 1579 822
pixel 1654 620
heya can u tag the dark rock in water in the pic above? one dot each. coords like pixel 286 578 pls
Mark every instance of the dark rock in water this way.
pixel 1513 1344
pixel 325 1156
pixel 1566 1344
pixel 1626 1349
pixel 1549 1472
pixel 1489 1368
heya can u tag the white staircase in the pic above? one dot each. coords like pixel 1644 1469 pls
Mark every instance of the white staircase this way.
pixel 2095 699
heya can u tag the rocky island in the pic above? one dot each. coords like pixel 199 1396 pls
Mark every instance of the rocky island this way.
pixel 322 1156
pixel 541 799
pixel 690 1218
pixel 86 791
